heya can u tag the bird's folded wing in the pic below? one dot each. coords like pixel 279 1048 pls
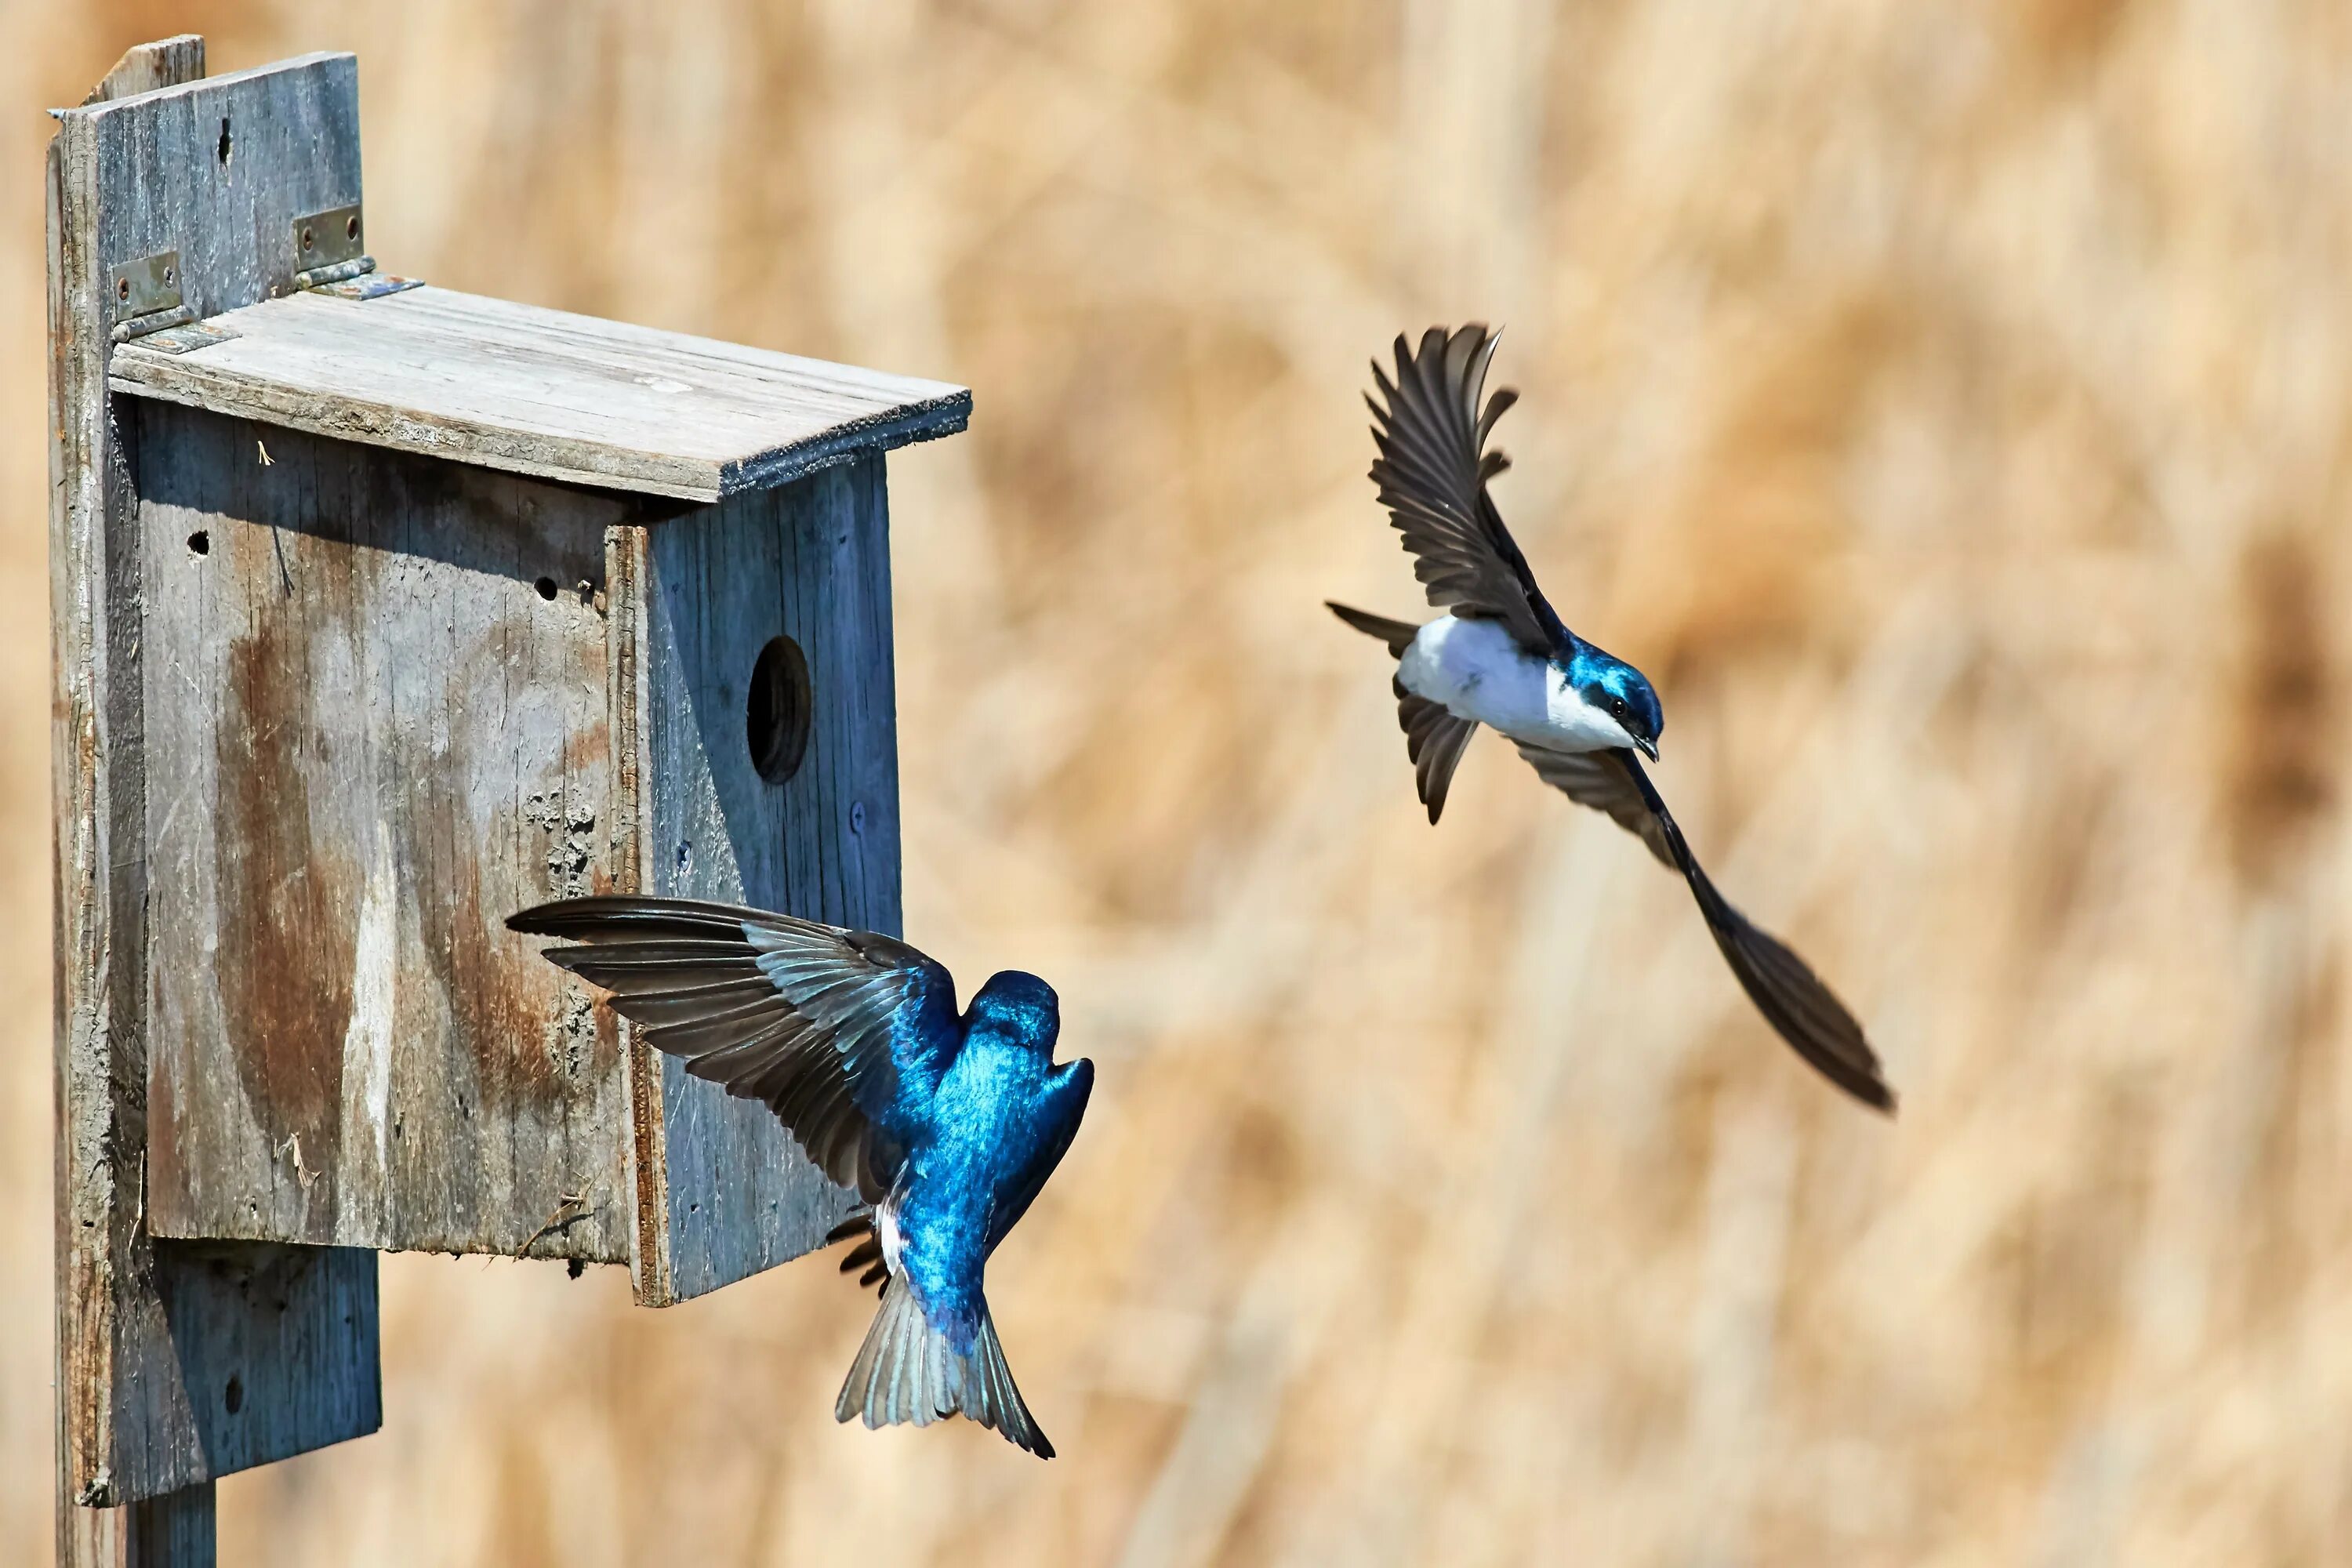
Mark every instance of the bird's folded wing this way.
pixel 834 1029
pixel 1057 1114
pixel 1784 988
pixel 1432 471
pixel 1435 737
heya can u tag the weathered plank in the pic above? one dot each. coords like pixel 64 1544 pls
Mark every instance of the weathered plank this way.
pixel 149 1335
pixel 698 598
pixel 143 68
pixel 178 1529
pixel 376 726
pixel 543 392
pixel 174 1531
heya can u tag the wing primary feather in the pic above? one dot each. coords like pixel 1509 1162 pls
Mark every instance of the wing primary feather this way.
pixel 829 1026
pixel 1432 471
pixel 1783 987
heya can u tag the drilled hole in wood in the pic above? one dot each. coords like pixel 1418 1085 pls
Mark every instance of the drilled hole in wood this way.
pixel 234 1395
pixel 351 227
pixel 227 145
pixel 546 586
pixel 776 718
pixel 199 542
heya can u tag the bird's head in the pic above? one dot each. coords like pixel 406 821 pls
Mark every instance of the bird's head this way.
pixel 1018 1008
pixel 1620 695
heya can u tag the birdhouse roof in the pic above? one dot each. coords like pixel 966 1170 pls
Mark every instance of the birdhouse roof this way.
pixel 534 391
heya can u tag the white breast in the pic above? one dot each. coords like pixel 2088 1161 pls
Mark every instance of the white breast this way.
pixel 1476 670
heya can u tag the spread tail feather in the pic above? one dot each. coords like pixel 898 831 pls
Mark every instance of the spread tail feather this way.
pixel 909 1371
pixel 1398 635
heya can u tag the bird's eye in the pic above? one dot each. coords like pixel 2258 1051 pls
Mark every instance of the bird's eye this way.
pixel 1617 706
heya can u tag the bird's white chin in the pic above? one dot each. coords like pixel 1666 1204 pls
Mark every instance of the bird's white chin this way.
pixel 1578 726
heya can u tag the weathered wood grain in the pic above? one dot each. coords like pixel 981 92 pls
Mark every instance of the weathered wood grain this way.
pixel 148 1333
pixel 143 68
pixel 699 597
pixel 174 1531
pixel 178 1529
pixel 543 392
pixel 376 728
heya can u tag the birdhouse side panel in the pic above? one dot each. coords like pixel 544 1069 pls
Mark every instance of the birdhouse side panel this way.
pixel 376 690
pixel 770 778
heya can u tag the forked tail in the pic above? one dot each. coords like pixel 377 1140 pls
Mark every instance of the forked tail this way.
pixel 909 1369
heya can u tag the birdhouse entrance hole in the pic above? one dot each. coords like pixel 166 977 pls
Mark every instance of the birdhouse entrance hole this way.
pixel 776 721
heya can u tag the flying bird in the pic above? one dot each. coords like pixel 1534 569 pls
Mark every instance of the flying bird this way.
pixel 945 1125
pixel 1500 657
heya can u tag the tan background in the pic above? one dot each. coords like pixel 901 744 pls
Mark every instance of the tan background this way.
pixel 1950 404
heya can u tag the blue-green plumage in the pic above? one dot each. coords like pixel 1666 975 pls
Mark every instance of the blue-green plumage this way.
pixel 977 1153
pixel 947 1124
pixel 1617 689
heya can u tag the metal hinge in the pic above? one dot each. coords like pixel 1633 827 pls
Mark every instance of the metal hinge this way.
pixel 143 296
pixel 330 257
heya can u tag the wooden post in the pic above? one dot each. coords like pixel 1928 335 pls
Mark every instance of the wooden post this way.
pixel 177 1363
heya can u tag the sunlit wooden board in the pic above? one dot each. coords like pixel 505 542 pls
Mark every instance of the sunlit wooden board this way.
pixel 539 392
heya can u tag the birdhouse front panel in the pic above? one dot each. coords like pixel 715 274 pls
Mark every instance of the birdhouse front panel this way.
pixel 377 724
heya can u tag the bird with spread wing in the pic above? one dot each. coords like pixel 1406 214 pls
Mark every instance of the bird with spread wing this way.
pixel 945 1124
pixel 1499 656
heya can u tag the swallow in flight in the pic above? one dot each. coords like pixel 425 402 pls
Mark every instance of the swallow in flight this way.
pixel 1499 656
pixel 945 1125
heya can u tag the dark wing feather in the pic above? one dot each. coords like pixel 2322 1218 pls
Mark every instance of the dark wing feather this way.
pixel 1784 988
pixel 838 1031
pixel 1432 472
pixel 1435 737
pixel 1058 1111
pixel 1598 780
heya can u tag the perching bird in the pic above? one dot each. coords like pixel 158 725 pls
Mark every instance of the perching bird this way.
pixel 947 1126
pixel 1500 657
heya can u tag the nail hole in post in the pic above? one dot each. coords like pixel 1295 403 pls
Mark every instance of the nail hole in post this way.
pixel 776 718
pixel 226 146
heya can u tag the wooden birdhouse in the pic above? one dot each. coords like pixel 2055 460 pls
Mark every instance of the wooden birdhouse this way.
pixel 382 611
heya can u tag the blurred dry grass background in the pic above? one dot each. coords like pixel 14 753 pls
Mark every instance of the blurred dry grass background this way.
pixel 1950 403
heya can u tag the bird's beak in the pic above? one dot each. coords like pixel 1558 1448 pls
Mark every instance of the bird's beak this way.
pixel 1648 747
